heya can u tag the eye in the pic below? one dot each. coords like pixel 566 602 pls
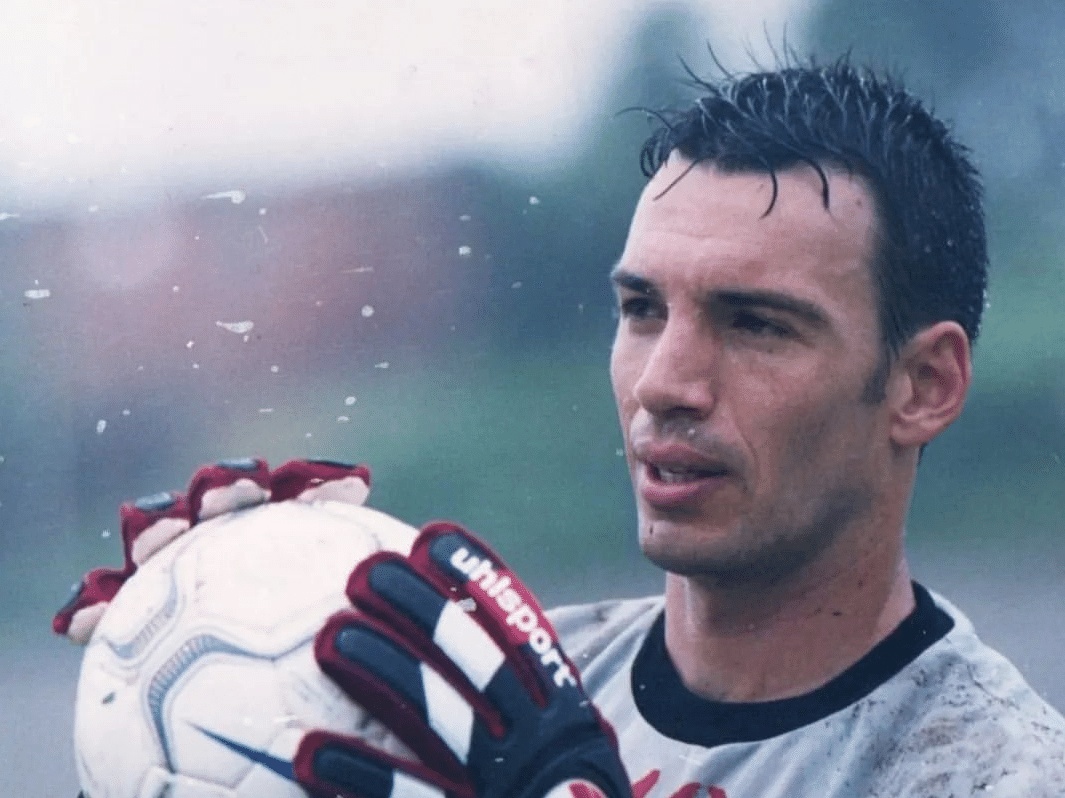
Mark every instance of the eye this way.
pixel 757 325
pixel 638 307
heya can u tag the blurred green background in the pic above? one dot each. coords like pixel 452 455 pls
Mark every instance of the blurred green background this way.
pixel 449 324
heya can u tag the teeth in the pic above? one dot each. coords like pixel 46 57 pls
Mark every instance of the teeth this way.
pixel 676 477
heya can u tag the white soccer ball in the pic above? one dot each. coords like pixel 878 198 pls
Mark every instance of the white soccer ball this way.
pixel 200 679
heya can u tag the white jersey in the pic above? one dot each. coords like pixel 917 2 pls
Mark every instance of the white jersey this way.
pixel 931 712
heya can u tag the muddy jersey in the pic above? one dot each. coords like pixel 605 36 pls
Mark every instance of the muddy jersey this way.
pixel 930 712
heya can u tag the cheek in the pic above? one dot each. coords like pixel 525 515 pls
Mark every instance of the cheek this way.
pixel 623 376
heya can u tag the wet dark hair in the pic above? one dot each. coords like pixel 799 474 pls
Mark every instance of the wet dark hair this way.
pixel 931 263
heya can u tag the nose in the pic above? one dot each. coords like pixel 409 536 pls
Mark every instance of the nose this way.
pixel 679 374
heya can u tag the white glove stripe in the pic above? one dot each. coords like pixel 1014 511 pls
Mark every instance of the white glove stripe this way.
pixel 236 496
pixel 155 537
pixel 468 645
pixel 448 713
pixel 404 786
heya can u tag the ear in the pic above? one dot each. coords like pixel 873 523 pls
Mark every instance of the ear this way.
pixel 930 383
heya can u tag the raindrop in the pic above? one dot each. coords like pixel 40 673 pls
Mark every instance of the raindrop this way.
pixel 516 284
pixel 367 311
pixel 38 293
pixel 101 425
pixel 275 369
pixel 190 344
pixel 126 411
pixel 465 251
pixel 343 419
pixel 465 217
pixel 239 327
pixel 349 401
pixel 266 410
pixel 106 533
pixel 236 196
pixel 534 200
pixel 382 365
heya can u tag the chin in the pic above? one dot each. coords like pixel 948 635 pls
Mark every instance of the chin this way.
pixel 725 556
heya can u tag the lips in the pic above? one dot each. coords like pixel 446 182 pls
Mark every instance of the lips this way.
pixel 674 475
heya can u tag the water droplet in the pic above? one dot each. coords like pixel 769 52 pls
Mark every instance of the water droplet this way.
pixel 343 419
pixel 382 365
pixel 465 251
pixel 275 369
pixel 266 410
pixel 349 400
pixel 619 452
pixel 37 293
pixel 239 327
pixel 235 195
pixel 534 200
pixel 176 289
pixel 262 211
pixel 190 344
pixel 101 425
pixel 367 311
pixel 106 533
pixel 465 217
pixel 126 411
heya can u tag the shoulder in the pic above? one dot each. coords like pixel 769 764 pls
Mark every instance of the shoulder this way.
pixel 973 724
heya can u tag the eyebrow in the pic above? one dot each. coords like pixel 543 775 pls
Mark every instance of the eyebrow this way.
pixel 736 298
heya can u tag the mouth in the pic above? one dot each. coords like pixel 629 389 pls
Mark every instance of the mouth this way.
pixel 674 485
pixel 681 475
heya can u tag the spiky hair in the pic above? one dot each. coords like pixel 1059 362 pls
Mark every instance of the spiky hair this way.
pixel 931 263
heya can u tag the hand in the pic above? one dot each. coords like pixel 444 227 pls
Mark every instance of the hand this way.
pixel 451 652
pixel 151 522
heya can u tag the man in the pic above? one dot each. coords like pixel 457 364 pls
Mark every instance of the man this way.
pixel 798 294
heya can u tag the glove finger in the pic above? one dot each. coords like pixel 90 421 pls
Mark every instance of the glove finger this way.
pixel 149 523
pixel 435 715
pixel 441 632
pixel 466 568
pixel 333 766
pixel 226 486
pixel 320 480
pixel 78 617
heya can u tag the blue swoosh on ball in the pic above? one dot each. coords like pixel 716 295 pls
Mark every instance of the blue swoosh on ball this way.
pixel 281 767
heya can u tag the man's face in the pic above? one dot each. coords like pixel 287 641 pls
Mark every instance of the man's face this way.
pixel 745 344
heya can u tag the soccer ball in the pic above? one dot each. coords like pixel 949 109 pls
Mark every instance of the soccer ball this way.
pixel 200 679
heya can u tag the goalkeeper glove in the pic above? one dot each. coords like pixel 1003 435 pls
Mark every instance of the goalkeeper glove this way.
pixel 151 522
pixel 451 652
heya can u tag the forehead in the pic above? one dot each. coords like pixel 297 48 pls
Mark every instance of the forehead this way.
pixel 699 224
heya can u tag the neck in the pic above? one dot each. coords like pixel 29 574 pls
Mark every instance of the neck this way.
pixel 766 641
